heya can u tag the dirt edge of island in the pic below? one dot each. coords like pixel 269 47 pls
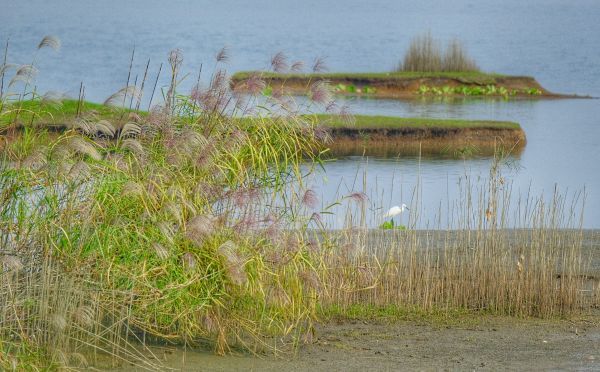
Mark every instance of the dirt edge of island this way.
pixel 347 141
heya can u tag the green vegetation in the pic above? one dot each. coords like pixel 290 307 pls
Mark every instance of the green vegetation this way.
pixel 36 112
pixel 391 225
pixel 465 90
pixel 352 89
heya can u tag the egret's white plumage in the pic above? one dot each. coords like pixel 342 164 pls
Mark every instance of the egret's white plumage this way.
pixel 396 210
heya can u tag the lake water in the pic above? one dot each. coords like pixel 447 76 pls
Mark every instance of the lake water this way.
pixel 555 41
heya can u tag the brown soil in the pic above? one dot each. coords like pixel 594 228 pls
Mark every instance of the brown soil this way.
pixel 406 88
pixel 486 343
pixel 414 141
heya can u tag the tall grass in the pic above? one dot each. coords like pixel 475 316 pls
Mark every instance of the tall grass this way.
pixel 425 54
pixel 499 253
pixel 168 225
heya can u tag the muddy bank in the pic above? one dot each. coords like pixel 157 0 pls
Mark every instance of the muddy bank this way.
pixel 407 86
pixel 388 142
pixel 485 343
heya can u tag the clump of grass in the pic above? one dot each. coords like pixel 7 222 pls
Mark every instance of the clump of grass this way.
pixel 425 54
pixel 167 225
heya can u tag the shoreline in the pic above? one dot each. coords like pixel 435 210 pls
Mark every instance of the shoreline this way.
pixel 478 342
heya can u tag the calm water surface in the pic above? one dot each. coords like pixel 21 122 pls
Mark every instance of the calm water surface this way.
pixel 555 41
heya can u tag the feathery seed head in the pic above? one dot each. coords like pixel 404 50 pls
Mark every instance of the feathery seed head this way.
pixel 133 146
pixel 223 55
pixel 132 188
pixel 116 98
pixel 317 218
pixel 297 66
pixel 105 127
pixel 175 58
pixel 331 107
pixel 245 196
pixel 174 210
pixel 80 145
pixel 79 171
pixel 310 199
pixel 319 65
pixel 278 296
pixel 130 129
pixel 234 263
pixel 24 73
pixel 50 41
pixel 279 62
pixel 320 92
pixel 255 84
pixel 229 251
pixel 166 229
pixel 36 160
pixel 200 227
pixel 84 316
pixel 135 117
pixel 219 81
pixel 58 322
pixel 53 97
pixel 358 197
pixel 161 252
pixel 207 191
pixel 189 261
pixel 11 263
pixel 85 125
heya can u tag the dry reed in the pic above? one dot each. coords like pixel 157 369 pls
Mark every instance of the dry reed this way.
pixel 425 54
pixel 499 256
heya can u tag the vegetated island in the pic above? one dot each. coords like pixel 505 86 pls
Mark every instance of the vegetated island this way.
pixel 361 135
pixel 404 84
pixel 393 136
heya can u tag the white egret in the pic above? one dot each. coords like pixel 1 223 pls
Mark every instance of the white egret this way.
pixel 396 210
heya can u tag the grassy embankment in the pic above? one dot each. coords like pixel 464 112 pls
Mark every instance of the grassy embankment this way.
pixel 368 135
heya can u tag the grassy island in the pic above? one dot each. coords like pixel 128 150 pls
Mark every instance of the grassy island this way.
pixel 393 136
pixel 362 135
pixel 405 84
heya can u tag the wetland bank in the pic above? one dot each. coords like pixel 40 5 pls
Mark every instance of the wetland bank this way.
pixel 126 221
